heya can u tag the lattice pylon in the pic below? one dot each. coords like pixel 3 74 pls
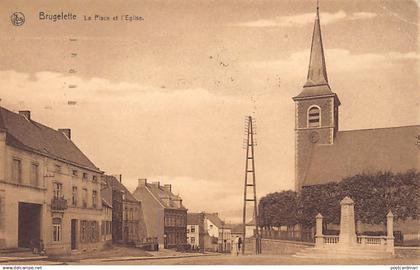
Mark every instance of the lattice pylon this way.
pixel 250 182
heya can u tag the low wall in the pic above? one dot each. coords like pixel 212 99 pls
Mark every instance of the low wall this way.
pixel 407 252
pixel 276 247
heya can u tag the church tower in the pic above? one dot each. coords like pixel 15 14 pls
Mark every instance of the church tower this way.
pixel 316 109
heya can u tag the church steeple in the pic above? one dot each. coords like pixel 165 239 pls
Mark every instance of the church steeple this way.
pixel 316 110
pixel 317 79
pixel 317 72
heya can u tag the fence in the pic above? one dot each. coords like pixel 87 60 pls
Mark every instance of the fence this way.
pixel 298 235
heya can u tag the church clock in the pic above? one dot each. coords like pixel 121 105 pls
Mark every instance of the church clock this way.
pixel 314 137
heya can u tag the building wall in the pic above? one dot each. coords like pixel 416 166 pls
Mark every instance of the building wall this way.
pixel 12 193
pixel 225 240
pixel 211 228
pixel 303 143
pixel 153 214
pixel 193 230
pixel 133 222
pixel 106 224
pixel 175 227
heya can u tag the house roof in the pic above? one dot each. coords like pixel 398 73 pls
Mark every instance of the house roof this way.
pixel 193 218
pixel 115 184
pixel 363 151
pixel 237 229
pixel 32 136
pixel 161 193
pixel 214 218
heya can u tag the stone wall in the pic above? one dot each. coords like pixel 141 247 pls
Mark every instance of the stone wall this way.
pixel 276 247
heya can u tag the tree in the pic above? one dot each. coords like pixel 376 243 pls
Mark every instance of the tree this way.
pixel 278 209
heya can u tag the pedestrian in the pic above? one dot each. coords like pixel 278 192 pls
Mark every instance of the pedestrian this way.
pixel 239 244
pixel 235 251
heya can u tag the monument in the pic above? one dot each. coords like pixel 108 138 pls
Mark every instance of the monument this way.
pixel 347 244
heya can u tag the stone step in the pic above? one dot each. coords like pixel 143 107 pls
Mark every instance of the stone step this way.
pixel 14 250
pixel 337 253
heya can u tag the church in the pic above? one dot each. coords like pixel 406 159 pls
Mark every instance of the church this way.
pixel 323 153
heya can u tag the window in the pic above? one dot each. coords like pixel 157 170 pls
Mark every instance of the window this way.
pixel 211 226
pixel 94 196
pixel 83 228
pixel 74 196
pixel 188 230
pixel 56 229
pixel 94 178
pixel 193 229
pixel 34 174
pixel 85 176
pixel 58 190
pixel 57 168
pixel 17 170
pixel 75 173
pixel 84 198
pixel 314 116
pixel 192 240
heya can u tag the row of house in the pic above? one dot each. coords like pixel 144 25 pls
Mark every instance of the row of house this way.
pixel 207 232
pixel 51 192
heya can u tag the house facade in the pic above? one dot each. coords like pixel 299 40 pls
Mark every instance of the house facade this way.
pixel 49 190
pixel 165 216
pixel 193 230
pixel 212 233
pixel 128 224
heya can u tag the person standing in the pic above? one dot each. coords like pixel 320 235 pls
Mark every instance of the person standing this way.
pixel 239 244
pixel 235 251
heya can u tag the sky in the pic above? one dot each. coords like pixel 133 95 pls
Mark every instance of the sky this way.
pixel 165 98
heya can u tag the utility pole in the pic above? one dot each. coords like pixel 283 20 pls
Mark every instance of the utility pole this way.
pixel 250 182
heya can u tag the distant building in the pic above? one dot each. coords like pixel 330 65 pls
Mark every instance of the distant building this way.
pixel 165 216
pixel 214 236
pixel 106 222
pixel 128 224
pixel 193 230
pixel 49 189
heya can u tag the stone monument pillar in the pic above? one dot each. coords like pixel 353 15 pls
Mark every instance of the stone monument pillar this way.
pixel 347 225
pixel 390 233
pixel 319 238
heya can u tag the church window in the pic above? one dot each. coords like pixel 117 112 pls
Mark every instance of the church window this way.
pixel 314 116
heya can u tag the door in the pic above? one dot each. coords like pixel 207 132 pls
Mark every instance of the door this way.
pixel 29 224
pixel 74 234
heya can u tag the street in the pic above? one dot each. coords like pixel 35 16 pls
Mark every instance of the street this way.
pixel 248 260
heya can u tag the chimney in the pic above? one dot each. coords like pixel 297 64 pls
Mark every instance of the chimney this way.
pixel 120 178
pixel 65 131
pixel 168 187
pixel 26 114
pixel 142 182
pixel 156 184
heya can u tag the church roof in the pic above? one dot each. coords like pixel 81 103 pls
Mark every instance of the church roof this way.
pixel 317 79
pixel 30 135
pixel 364 151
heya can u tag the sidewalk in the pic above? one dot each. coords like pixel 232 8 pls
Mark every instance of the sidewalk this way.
pixel 22 259
pixel 154 255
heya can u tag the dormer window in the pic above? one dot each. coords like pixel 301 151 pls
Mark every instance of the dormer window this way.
pixel 314 116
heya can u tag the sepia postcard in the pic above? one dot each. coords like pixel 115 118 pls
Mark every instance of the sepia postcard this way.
pixel 209 132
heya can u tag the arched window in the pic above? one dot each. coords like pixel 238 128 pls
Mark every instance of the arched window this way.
pixel 314 116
